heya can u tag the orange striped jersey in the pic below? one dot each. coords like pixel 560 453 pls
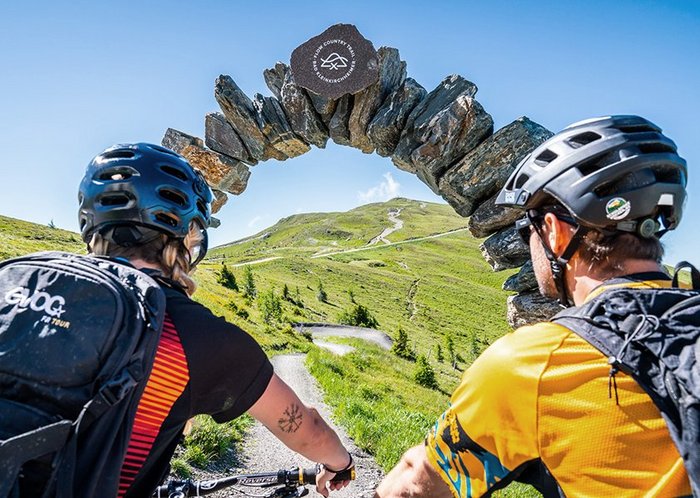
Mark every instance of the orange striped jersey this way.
pixel 535 407
pixel 203 365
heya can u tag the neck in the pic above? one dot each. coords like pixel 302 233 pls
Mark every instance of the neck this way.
pixel 580 280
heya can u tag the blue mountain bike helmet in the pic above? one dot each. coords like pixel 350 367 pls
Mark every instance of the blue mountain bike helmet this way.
pixel 132 193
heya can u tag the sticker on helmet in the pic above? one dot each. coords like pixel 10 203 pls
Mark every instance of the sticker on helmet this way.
pixel 618 208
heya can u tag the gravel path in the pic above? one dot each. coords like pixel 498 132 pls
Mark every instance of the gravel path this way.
pixel 398 225
pixel 330 330
pixel 263 452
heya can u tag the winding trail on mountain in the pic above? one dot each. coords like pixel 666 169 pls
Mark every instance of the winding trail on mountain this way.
pixel 374 247
pixel 398 225
pixel 262 451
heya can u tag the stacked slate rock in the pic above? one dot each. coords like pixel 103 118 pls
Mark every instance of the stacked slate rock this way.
pixel 444 136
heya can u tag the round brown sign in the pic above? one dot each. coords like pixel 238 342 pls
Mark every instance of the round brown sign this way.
pixel 336 62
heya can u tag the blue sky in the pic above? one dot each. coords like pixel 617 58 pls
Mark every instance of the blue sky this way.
pixel 79 76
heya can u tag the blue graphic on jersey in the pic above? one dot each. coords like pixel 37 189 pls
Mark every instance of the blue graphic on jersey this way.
pixel 453 465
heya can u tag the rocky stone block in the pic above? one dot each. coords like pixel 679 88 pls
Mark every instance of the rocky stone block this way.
pixel 240 113
pixel 529 308
pixel 389 121
pixel 325 107
pixel 489 218
pixel 220 136
pixel 505 249
pixel 522 281
pixel 222 172
pixel 274 125
pixel 448 136
pixel 274 78
pixel 392 73
pixel 176 140
pixel 220 198
pixel 436 101
pixel 302 116
pixel 338 126
pixel 484 171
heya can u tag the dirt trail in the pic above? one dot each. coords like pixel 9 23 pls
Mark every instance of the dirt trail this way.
pixel 398 225
pixel 262 451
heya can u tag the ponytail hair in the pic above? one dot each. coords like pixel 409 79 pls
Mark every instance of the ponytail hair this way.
pixel 172 255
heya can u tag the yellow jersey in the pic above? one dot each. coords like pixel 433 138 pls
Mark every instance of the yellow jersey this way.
pixel 535 407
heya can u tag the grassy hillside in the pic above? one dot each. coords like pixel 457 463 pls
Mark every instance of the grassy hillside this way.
pixel 19 237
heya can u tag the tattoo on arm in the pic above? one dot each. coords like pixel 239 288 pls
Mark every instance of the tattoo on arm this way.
pixel 292 419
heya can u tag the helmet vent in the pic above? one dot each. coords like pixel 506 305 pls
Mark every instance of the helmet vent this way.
pixel 637 128
pixel 173 196
pixel 119 154
pixel 202 208
pixel 166 219
pixel 545 158
pixel 583 139
pixel 175 172
pixel 114 199
pixel 655 147
pixel 117 174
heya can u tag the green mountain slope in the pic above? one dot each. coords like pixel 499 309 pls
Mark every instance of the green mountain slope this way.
pixel 19 237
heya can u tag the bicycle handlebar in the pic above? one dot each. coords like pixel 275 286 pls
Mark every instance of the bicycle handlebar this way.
pixel 289 478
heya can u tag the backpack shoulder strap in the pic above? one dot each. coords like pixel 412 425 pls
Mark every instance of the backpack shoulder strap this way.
pixel 694 274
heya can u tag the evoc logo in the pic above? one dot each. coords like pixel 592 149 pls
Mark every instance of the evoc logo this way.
pixel 38 301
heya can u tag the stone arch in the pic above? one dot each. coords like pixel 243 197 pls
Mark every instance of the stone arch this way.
pixel 444 136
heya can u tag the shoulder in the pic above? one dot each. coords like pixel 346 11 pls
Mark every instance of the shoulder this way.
pixel 515 364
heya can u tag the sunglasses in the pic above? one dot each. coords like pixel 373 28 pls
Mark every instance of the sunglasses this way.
pixel 533 220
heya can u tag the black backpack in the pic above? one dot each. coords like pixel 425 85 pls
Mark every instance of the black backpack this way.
pixel 652 335
pixel 78 335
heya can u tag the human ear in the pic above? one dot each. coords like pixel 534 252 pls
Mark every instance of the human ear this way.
pixel 557 232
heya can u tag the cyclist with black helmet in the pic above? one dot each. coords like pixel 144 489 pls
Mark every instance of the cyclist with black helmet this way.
pixel 146 204
pixel 538 405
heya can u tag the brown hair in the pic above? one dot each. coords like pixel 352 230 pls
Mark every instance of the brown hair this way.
pixel 606 254
pixel 172 255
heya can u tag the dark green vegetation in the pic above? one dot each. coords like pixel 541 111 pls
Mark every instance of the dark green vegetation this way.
pixel 438 291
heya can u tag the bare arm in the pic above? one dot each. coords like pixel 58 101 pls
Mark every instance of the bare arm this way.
pixel 300 427
pixel 413 476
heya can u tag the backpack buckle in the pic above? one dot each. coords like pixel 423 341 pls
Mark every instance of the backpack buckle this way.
pixel 116 389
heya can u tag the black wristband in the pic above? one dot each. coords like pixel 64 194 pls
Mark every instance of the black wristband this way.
pixel 350 464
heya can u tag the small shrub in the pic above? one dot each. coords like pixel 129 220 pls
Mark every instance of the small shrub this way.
pixel 285 293
pixel 359 316
pixel 401 348
pixel 249 289
pixel 243 313
pixel 425 375
pixel 180 468
pixel 226 278
pixel 438 354
pixel 209 441
pixel 321 294
pixel 270 307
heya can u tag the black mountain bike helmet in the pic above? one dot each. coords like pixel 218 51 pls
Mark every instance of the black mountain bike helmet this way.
pixel 611 173
pixel 614 173
pixel 131 193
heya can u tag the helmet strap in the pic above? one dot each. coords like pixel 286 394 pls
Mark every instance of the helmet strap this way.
pixel 558 264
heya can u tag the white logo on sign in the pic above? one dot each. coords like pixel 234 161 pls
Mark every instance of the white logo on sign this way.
pixel 334 61
pixel 38 301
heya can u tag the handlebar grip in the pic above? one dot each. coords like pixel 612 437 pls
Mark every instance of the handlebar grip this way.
pixel 308 476
pixel 346 475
